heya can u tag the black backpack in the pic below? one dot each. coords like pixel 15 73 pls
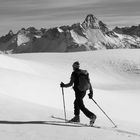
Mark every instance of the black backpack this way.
pixel 83 80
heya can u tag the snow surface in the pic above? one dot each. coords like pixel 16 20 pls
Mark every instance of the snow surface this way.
pixel 22 39
pixel 29 91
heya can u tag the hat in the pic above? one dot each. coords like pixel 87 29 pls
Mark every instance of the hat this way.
pixel 76 64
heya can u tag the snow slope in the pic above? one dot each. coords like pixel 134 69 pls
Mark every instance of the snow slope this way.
pixel 29 81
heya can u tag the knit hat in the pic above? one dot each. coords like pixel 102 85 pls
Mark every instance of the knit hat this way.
pixel 76 64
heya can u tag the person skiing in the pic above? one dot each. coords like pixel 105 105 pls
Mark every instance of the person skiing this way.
pixel 80 92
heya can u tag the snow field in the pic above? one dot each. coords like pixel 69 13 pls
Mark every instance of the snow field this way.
pixel 30 80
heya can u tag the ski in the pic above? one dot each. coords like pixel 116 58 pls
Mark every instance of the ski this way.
pixel 129 133
pixel 61 123
pixel 77 123
pixel 62 120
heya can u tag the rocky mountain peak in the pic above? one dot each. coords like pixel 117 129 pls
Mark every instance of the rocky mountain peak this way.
pixel 91 18
pixel 90 22
pixel 11 33
pixel 7 37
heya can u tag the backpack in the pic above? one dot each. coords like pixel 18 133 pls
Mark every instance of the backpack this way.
pixel 83 80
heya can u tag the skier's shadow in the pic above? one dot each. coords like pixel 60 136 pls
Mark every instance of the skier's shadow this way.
pixel 56 123
pixel 22 122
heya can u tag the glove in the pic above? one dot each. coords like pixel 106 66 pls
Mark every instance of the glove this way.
pixel 62 84
pixel 90 95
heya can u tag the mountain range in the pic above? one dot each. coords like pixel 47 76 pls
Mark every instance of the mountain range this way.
pixel 91 34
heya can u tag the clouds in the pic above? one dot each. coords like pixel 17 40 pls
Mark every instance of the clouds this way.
pixel 59 12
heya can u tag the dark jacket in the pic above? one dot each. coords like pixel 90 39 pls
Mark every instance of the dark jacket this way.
pixel 74 79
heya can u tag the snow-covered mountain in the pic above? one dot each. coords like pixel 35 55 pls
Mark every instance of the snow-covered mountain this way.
pixel 133 30
pixel 91 34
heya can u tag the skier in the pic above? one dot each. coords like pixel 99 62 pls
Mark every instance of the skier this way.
pixel 80 93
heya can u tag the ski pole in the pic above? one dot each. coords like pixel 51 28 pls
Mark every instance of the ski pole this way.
pixel 104 113
pixel 64 103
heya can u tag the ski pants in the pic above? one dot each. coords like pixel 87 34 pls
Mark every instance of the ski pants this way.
pixel 79 104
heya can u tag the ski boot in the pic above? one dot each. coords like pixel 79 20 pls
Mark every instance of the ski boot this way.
pixel 92 120
pixel 75 119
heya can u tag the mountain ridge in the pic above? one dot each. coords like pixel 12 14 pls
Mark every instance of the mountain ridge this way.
pixel 91 34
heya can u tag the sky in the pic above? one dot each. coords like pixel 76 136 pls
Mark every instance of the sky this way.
pixel 16 14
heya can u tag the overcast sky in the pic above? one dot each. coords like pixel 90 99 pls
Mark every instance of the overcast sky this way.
pixel 15 14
